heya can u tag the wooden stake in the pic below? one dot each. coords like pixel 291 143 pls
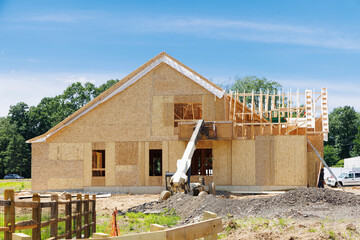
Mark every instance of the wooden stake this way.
pixel 36 215
pixel 9 213
pixel 68 213
pixel 54 215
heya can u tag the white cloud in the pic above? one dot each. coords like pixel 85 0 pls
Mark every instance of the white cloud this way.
pixel 32 60
pixel 62 17
pixel 2 52
pixel 239 30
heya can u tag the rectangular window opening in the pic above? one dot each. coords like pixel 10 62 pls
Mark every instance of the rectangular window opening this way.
pixel 98 163
pixel 155 162
pixel 201 162
pixel 187 111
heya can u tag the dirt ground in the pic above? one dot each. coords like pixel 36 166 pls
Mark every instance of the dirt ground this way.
pixel 305 213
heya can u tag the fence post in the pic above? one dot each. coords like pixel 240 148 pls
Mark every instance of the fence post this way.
pixel 210 215
pixel 79 215
pixel 94 214
pixel 54 215
pixel 68 210
pixel 86 216
pixel 9 213
pixel 36 215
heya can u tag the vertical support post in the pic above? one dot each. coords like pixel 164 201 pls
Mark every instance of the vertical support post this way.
pixel 78 215
pixel 94 214
pixel 36 215
pixel 86 216
pixel 9 213
pixel 54 215
pixel 230 94
pixel 68 210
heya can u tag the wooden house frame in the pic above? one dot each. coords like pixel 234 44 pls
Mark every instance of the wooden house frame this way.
pixel 129 136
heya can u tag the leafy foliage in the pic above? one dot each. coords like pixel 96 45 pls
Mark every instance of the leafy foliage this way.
pixel 24 122
pixel 344 135
pixel 252 83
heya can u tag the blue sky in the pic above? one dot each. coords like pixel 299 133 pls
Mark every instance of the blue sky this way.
pixel 46 45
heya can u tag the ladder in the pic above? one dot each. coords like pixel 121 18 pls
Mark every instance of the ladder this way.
pixel 324 113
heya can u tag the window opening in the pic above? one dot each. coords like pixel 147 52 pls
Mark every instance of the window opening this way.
pixel 201 162
pixel 187 111
pixel 155 163
pixel 98 163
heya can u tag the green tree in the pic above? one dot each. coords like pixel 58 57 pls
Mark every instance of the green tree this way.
pixel 331 155
pixel 343 126
pixel 356 148
pixel 252 83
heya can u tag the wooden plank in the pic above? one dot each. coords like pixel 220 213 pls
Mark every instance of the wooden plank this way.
pixel 196 230
pixel 93 213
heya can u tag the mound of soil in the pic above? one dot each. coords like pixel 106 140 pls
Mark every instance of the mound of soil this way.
pixel 299 203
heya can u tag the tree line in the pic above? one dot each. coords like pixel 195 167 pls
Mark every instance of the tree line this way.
pixel 24 122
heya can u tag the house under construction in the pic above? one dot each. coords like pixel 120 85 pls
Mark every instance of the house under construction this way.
pixel 127 138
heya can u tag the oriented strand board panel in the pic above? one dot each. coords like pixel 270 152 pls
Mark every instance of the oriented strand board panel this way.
pixel 222 162
pixel 165 159
pixel 243 162
pixel 126 153
pixel 188 98
pixel 176 151
pixel 263 161
pixel 141 162
pixel 155 145
pixel 110 172
pixel 124 117
pixel 208 106
pixel 39 156
pixel 66 151
pixel 313 161
pixel 162 116
pixel 168 81
pixel 220 109
pixel 88 147
pixel 224 130
pixel 65 183
pixel 289 160
pixel 127 175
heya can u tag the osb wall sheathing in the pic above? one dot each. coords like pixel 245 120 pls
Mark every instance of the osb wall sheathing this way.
pixel 243 162
pixel 126 153
pixel 128 168
pixel 110 164
pixel 222 171
pixel 289 158
pixel 162 116
pixel 58 166
pixel 39 157
pixel 264 164
pixel 313 161
pixel 124 117
pixel 169 82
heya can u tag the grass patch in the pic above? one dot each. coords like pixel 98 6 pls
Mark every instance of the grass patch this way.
pixel 138 222
pixel 16 185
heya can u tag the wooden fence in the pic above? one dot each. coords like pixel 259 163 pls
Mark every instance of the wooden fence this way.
pixel 78 216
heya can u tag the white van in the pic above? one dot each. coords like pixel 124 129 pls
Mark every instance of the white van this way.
pixel 345 179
